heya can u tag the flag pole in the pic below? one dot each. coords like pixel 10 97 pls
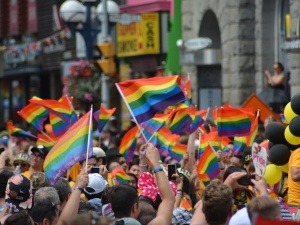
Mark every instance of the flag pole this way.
pixel 47 135
pixel 220 145
pixel 89 140
pixel 45 141
pixel 123 97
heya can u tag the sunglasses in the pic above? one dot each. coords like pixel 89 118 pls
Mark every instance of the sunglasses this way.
pixel 20 164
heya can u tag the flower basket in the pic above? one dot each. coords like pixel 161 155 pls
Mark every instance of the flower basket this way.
pixel 84 84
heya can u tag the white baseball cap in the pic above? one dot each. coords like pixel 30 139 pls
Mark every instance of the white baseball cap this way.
pixel 96 184
pixel 99 152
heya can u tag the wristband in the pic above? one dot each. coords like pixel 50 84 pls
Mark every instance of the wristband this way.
pixel 77 188
pixel 157 169
pixel 223 168
pixel 179 193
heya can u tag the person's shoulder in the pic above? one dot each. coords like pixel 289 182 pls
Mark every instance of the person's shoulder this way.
pixel 27 174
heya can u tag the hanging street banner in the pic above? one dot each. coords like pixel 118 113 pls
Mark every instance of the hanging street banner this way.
pixel 139 38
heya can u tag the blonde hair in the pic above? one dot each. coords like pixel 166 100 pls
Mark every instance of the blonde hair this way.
pixel 267 208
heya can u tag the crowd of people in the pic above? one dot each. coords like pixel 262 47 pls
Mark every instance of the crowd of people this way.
pixel 93 194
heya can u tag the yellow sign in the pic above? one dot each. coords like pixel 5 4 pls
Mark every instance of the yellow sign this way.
pixel 139 38
pixel 126 116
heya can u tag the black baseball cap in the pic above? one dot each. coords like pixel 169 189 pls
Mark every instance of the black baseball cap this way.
pixel 41 149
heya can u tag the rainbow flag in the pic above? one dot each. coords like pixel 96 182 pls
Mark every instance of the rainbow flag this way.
pixel 45 141
pixel 204 178
pixel 253 132
pixel 211 138
pixel 208 164
pixel 35 115
pixel 153 125
pixel 197 120
pixel 120 175
pixel 128 143
pixel 181 121
pixel 182 105
pixel 69 101
pixel 178 151
pixel 17 132
pixel 233 122
pixel 238 145
pixel 69 149
pixel 146 97
pixel 61 109
pixel 59 126
pixel 164 140
pixel 102 116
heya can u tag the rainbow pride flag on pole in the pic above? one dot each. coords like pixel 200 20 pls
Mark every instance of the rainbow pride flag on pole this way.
pixel 145 97
pixel 61 109
pixel 71 148
pixel 35 115
pixel 150 127
pixel 102 116
pixel 181 121
pixel 128 143
pixel 178 151
pixel 17 132
pixel 232 122
pixel 253 132
pixel 208 166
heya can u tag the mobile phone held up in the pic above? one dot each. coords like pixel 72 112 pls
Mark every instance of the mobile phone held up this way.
pixel 95 170
pixel 246 180
pixel 171 171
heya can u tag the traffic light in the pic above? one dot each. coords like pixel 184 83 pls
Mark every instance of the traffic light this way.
pixel 107 65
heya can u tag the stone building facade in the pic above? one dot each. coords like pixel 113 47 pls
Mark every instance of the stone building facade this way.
pixel 248 36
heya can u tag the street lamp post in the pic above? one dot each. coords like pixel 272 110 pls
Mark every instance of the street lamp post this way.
pixel 74 13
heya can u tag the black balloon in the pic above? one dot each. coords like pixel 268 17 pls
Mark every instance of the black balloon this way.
pixel 275 133
pixel 295 103
pixel 279 154
pixel 295 126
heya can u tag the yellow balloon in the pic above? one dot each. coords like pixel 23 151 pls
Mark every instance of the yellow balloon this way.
pixel 289 113
pixel 273 174
pixel 285 168
pixel 290 138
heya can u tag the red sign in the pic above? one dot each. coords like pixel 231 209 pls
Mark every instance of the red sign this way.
pixel 13 17
pixel 32 16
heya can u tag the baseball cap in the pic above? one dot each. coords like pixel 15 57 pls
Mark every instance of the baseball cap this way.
pixel 41 149
pixel 247 154
pixel 184 172
pixel 18 193
pixel 96 184
pixel 22 157
pixel 98 152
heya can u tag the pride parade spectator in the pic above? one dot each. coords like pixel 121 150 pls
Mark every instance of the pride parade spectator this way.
pixel 37 159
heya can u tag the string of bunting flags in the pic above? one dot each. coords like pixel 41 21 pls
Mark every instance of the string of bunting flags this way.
pixel 54 39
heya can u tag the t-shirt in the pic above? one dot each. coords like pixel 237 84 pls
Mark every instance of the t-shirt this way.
pixel 27 174
pixel 294 187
